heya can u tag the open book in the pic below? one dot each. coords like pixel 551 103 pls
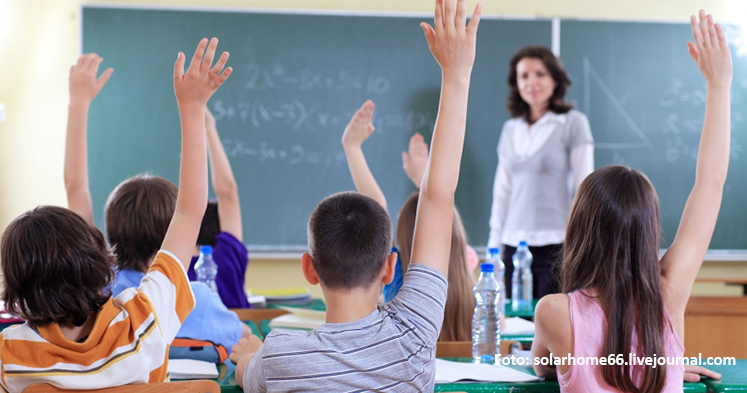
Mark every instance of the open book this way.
pixel 450 372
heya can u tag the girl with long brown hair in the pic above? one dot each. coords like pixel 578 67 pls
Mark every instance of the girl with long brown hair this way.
pixel 618 297
pixel 457 325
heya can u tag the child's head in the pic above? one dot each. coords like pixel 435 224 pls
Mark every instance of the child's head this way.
pixel 350 239
pixel 210 227
pixel 56 267
pixel 138 214
pixel 460 302
pixel 611 246
pixel 613 231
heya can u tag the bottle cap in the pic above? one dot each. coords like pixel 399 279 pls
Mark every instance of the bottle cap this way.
pixel 486 267
pixel 208 250
pixel 494 251
pixel 523 243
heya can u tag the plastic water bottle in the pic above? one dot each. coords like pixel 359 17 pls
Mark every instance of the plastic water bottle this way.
pixel 494 257
pixel 486 323
pixel 206 269
pixel 522 282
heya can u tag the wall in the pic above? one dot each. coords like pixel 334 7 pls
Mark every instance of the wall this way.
pixel 39 39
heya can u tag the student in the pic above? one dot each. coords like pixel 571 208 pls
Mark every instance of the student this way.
pixel 460 301
pixel 222 227
pixel 365 345
pixel 137 216
pixel 618 297
pixel 57 266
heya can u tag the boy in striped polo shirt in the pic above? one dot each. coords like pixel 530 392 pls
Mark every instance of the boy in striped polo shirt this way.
pixel 56 269
pixel 365 346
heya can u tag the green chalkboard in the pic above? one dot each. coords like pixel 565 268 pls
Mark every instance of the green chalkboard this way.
pixel 297 80
pixel 645 100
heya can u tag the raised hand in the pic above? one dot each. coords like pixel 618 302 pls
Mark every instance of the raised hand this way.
pixel 415 160
pixel 710 51
pixel 197 85
pixel 83 83
pixel 360 126
pixel 451 43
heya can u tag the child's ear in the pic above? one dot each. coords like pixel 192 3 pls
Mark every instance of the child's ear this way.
pixel 308 269
pixel 389 268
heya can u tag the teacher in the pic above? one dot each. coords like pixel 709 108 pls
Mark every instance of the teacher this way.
pixel 545 151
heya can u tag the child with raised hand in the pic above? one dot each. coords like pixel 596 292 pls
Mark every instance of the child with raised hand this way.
pixel 457 323
pixel 86 339
pixel 138 213
pixel 618 297
pixel 365 345
pixel 222 227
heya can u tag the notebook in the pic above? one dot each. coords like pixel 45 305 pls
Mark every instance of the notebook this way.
pixel 192 369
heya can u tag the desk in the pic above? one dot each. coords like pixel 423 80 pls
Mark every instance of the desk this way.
pixel 733 378
pixel 738 378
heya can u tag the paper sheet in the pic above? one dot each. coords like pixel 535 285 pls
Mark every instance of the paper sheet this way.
pixel 517 326
pixel 449 372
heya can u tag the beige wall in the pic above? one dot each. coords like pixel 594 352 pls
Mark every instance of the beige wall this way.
pixel 39 39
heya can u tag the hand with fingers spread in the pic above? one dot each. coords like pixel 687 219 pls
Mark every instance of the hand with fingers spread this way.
pixel 197 85
pixel 415 160
pixel 710 51
pixel 83 83
pixel 451 43
pixel 360 126
pixel 193 89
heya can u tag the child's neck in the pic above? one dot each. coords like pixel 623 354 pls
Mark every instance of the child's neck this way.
pixel 75 333
pixel 350 305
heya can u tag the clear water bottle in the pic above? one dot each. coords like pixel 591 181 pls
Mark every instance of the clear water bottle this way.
pixel 206 269
pixel 522 282
pixel 494 257
pixel 486 323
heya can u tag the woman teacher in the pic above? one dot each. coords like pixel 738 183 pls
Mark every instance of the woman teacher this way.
pixel 545 151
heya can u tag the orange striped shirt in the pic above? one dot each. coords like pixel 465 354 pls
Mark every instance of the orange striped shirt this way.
pixel 129 342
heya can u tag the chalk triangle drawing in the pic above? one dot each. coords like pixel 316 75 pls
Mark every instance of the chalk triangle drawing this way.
pixel 643 142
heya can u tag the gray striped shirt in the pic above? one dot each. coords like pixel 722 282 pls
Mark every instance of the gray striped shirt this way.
pixel 392 349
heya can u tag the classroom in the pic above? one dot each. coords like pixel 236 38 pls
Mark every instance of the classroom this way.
pixel 584 157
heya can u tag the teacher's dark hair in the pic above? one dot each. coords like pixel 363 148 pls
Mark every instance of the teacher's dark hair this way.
pixel 516 105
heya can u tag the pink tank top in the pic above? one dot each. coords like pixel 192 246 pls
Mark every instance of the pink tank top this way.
pixel 589 328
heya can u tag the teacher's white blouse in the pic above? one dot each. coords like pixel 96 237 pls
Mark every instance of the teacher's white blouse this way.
pixel 539 169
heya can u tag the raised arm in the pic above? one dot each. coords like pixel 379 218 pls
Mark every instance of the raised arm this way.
pixel 193 89
pixel 681 263
pixel 453 46
pixel 83 89
pixel 357 131
pixel 224 183
pixel 415 159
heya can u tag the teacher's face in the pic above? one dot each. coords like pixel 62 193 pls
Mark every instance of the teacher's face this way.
pixel 535 82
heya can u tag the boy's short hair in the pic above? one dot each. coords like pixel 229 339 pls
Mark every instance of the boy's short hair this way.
pixel 350 237
pixel 137 215
pixel 210 227
pixel 57 267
